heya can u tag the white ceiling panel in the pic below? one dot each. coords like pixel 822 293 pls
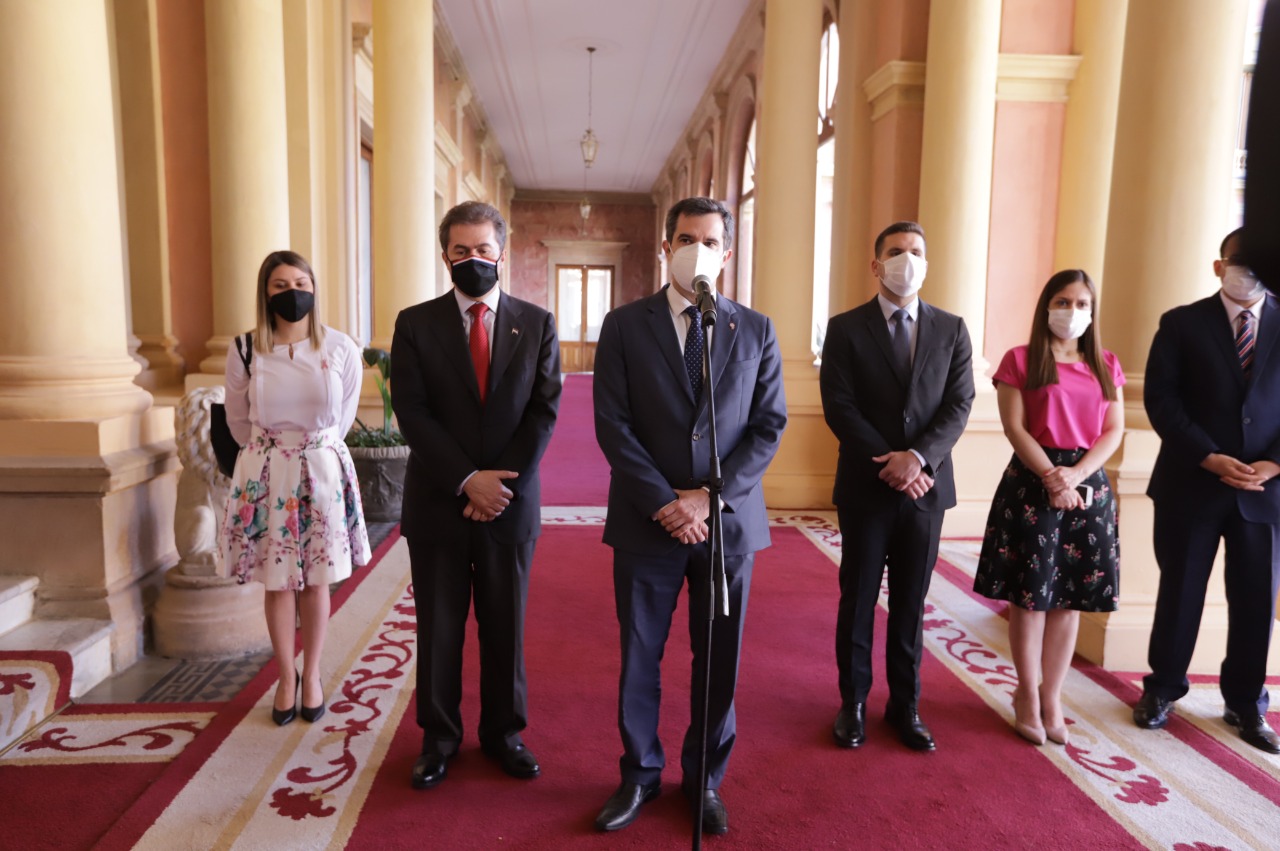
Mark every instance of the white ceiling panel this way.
pixel 527 61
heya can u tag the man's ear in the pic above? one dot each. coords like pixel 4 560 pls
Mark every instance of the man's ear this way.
pixel 725 259
pixel 1219 268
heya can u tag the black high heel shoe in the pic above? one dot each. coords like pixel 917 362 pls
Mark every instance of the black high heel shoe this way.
pixel 284 716
pixel 311 714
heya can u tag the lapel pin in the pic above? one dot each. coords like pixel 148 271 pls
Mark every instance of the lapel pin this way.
pixel 732 326
pixel 515 331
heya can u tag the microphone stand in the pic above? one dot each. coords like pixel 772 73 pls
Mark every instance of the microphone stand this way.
pixel 717 583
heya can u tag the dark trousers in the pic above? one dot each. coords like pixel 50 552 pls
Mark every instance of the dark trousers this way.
pixel 446 574
pixel 1185 547
pixel 904 540
pixel 646 589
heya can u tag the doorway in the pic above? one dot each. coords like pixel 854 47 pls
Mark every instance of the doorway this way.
pixel 584 294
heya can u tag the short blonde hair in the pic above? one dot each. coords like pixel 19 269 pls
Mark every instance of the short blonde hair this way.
pixel 264 333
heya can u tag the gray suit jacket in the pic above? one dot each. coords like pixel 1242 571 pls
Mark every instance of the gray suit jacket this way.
pixel 654 435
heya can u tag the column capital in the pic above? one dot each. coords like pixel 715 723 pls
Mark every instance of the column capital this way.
pixel 895 83
pixel 1041 78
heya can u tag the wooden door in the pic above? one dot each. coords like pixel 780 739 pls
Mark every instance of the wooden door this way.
pixel 584 294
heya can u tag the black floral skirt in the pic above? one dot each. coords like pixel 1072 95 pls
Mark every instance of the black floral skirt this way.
pixel 1040 558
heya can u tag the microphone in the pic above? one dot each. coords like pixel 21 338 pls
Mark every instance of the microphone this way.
pixel 706 301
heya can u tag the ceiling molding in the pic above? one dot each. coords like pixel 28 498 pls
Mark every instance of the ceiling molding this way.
pixel 559 196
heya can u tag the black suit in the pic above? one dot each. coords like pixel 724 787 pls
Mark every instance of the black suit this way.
pixel 1199 402
pixel 451 434
pixel 653 433
pixel 873 409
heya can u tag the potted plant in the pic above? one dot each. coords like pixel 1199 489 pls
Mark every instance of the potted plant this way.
pixel 380 455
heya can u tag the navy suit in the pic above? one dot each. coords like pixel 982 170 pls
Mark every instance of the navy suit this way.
pixel 451 434
pixel 1199 402
pixel 654 434
pixel 874 408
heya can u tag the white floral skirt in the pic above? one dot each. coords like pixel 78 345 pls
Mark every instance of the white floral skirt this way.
pixel 294 517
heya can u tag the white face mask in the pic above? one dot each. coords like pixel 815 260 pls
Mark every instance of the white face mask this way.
pixel 904 273
pixel 1240 284
pixel 1069 323
pixel 690 261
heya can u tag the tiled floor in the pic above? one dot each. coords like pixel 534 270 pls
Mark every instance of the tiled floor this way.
pixel 154 679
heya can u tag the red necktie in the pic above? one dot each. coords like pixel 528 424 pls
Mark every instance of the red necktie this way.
pixel 480 346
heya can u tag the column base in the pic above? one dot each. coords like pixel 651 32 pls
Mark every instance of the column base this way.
pixel 209 617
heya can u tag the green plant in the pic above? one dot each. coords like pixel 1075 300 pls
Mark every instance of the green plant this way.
pixel 388 435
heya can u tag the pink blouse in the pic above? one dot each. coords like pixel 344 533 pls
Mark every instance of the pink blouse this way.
pixel 1066 415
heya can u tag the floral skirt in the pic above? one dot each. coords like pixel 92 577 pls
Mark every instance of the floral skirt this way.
pixel 293 514
pixel 1042 558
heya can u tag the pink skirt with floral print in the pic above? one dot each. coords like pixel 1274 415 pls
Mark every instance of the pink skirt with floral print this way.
pixel 293 514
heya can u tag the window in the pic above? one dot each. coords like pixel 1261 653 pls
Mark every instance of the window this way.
pixel 364 247
pixel 828 75
pixel 746 219
pixel 584 295
pixel 828 78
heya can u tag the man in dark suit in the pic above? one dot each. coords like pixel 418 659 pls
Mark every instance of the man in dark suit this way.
pixel 1212 392
pixel 651 422
pixel 897 386
pixel 475 381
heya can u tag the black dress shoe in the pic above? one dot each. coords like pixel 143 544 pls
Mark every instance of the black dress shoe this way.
pixel 429 770
pixel 911 730
pixel 850 727
pixel 622 808
pixel 715 818
pixel 1254 730
pixel 1151 712
pixel 284 716
pixel 517 760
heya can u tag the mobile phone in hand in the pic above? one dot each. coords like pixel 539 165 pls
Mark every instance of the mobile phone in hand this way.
pixel 1086 494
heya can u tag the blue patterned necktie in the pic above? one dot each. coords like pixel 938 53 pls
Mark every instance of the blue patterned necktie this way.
pixel 1244 341
pixel 693 351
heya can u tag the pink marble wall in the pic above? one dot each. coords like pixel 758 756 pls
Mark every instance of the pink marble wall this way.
pixel 534 221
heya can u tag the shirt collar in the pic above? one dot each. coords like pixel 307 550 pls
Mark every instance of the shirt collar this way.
pixel 678 303
pixel 888 308
pixel 1234 310
pixel 490 300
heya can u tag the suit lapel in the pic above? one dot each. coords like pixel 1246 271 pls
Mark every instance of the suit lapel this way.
pixel 508 331
pixel 925 334
pixel 453 340
pixel 664 334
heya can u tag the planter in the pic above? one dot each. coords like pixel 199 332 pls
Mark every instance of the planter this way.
pixel 380 470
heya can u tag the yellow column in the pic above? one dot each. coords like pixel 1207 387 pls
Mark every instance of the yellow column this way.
pixel 138 64
pixel 62 304
pixel 248 158
pixel 786 186
pixel 80 445
pixel 955 167
pixel 851 202
pixel 405 248
pixel 1089 139
pixel 1170 207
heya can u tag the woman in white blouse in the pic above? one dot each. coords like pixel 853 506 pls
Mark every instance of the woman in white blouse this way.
pixel 294 520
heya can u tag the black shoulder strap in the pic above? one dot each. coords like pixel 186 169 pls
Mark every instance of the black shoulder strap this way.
pixel 246 352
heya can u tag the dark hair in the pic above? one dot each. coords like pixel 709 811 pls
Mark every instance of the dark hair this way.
pixel 1042 370
pixel 264 333
pixel 474 213
pixel 700 207
pixel 897 227
pixel 1235 234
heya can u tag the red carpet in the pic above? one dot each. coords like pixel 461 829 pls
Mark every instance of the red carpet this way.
pixel 788 785
pixel 574 471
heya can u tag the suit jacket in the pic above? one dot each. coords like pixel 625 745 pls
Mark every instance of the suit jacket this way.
pixel 654 434
pixel 873 409
pixel 1198 402
pixel 437 404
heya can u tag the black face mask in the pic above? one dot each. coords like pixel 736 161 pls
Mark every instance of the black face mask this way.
pixel 292 305
pixel 474 276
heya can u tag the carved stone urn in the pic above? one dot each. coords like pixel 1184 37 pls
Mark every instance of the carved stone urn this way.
pixel 380 470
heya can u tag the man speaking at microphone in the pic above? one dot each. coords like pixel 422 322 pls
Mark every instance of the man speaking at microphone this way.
pixel 652 422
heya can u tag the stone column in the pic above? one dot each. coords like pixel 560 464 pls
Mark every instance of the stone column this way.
pixel 138 65
pixel 405 248
pixel 86 463
pixel 248 158
pixel 786 190
pixel 955 168
pixel 1170 207
pixel 1090 137
pixel 851 202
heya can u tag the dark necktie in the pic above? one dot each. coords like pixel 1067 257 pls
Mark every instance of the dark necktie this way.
pixel 693 351
pixel 1244 340
pixel 479 343
pixel 902 342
